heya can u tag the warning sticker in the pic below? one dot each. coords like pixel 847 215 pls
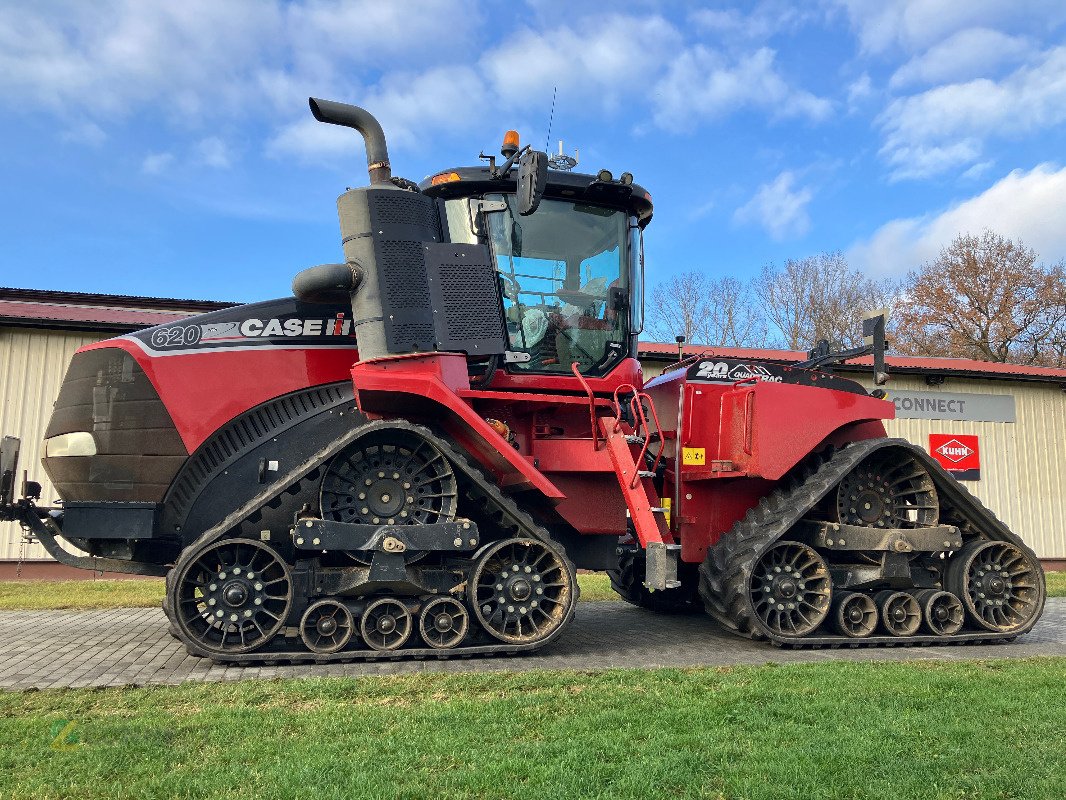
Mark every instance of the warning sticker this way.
pixel 693 456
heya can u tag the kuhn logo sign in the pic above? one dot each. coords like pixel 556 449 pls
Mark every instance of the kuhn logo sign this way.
pixel 723 371
pixel 958 454
pixel 954 451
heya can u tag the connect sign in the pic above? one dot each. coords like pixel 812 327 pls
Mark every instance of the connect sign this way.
pixel 958 454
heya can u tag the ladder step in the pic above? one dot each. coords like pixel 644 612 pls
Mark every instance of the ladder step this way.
pixel 645 473
pixel 635 440
pixel 659 510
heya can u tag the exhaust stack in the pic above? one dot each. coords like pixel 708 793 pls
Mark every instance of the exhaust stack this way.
pixel 377 152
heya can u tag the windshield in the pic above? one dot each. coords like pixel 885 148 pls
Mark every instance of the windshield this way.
pixel 564 279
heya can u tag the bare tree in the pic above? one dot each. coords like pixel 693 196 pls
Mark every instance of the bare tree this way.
pixel 705 310
pixel 986 297
pixel 819 297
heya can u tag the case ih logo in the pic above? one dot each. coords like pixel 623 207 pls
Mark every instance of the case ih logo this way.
pixel 958 454
pixel 954 450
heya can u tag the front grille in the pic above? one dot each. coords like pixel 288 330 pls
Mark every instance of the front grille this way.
pixel 138 449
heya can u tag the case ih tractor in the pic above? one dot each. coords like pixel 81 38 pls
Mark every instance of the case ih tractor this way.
pixel 413 455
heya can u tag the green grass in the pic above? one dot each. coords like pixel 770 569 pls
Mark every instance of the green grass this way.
pixel 831 730
pixel 1056 584
pixel 45 595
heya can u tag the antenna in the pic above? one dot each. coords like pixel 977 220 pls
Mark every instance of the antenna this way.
pixel 551 116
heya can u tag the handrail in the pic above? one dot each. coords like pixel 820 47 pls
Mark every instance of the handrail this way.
pixel 636 406
pixel 592 404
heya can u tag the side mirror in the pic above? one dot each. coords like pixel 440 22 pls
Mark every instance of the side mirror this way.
pixel 532 180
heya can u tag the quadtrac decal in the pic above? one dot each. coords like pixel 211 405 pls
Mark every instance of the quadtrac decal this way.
pixel 274 331
pixel 731 371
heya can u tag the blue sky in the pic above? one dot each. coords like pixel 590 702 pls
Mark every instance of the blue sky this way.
pixel 164 148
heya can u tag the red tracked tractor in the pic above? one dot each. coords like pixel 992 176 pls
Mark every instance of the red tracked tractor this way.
pixel 413 454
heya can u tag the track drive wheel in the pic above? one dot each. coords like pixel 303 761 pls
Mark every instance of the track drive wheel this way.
pixel 1000 585
pixel 326 627
pixel 232 597
pixel 392 477
pixel 790 589
pixel 522 590
pixel 628 581
pixel 888 489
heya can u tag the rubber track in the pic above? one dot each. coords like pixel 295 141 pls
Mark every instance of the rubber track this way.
pixel 501 510
pixel 725 572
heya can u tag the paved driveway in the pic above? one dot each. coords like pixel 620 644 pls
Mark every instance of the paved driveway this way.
pixel 49 649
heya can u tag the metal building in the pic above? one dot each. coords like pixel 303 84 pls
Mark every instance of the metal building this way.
pixel 39 332
pixel 1000 427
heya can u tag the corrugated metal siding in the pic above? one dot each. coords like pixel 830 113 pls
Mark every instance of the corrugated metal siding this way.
pixel 1023 464
pixel 32 364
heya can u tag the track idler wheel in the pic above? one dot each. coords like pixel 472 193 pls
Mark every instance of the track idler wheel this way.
pixel 942 612
pixel 1001 586
pixel 888 489
pixel 522 590
pixel 326 627
pixel 233 597
pixel 855 615
pixel 443 623
pixel 386 624
pixel 790 589
pixel 900 613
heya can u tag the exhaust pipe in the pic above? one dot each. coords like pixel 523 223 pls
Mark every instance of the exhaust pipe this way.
pixel 377 153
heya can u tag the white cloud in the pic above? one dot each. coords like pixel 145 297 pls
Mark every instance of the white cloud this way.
pixel 213 152
pixel 156 163
pixel 598 60
pixel 970 53
pixel 778 207
pixel 915 25
pixel 700 83
pixel 1025 205
pixel 192 64
pixel 860 89
pixel 312 141
pixel 84 132
pixel 766 19
pixel 944 127
pixel 200 58
pixel 977 170
pixel 407 106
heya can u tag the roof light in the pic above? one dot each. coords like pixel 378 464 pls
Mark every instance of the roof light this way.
pixel 604 176
pixel 627 179
pixel 444 177
pixel 510 144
